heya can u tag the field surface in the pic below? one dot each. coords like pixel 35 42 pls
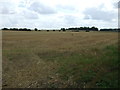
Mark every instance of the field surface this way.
pixel 59 59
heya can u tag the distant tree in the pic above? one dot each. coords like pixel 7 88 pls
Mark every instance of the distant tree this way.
pixel 87 30
pixel 28 29
pixel 81 28
pixel 94 28
pixel 53 30
pixel 63 29
pixel 77 29
pixel 15 29
pixel 20 29
pixel 36 29
pixel 104 30
pixel 118 29
pixel 113 30
pixel 4 29
pixel 47 30
pixel 24 29
pixel 11 29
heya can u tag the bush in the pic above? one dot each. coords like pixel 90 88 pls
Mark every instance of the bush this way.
pixel 87 31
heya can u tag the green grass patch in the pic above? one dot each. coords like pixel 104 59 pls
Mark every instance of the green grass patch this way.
pixel 84 68
pixel 87 69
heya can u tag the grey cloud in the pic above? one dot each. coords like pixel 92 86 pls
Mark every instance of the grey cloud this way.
pixel 30 15
pixel 116 5
pixel 41 8
pixel 99 14
pixel 119 4
pixel 7 8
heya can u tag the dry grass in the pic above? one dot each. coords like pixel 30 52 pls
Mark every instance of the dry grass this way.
pixel 27 55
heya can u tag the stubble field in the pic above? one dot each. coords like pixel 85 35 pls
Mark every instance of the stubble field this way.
pixel 59 59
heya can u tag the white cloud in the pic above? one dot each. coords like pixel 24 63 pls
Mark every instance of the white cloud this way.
pixel 58 13
pixel 41 8
pixel 100 14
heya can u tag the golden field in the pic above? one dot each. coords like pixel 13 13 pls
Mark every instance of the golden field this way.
pixel 40 59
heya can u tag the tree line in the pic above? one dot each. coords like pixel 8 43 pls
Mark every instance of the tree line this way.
pixel 76 29
pixel 114 30
pixel 17 29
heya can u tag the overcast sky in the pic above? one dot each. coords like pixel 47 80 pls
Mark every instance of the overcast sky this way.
pixel 53 14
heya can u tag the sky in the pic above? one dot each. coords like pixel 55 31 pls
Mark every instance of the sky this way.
pixel 56 14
